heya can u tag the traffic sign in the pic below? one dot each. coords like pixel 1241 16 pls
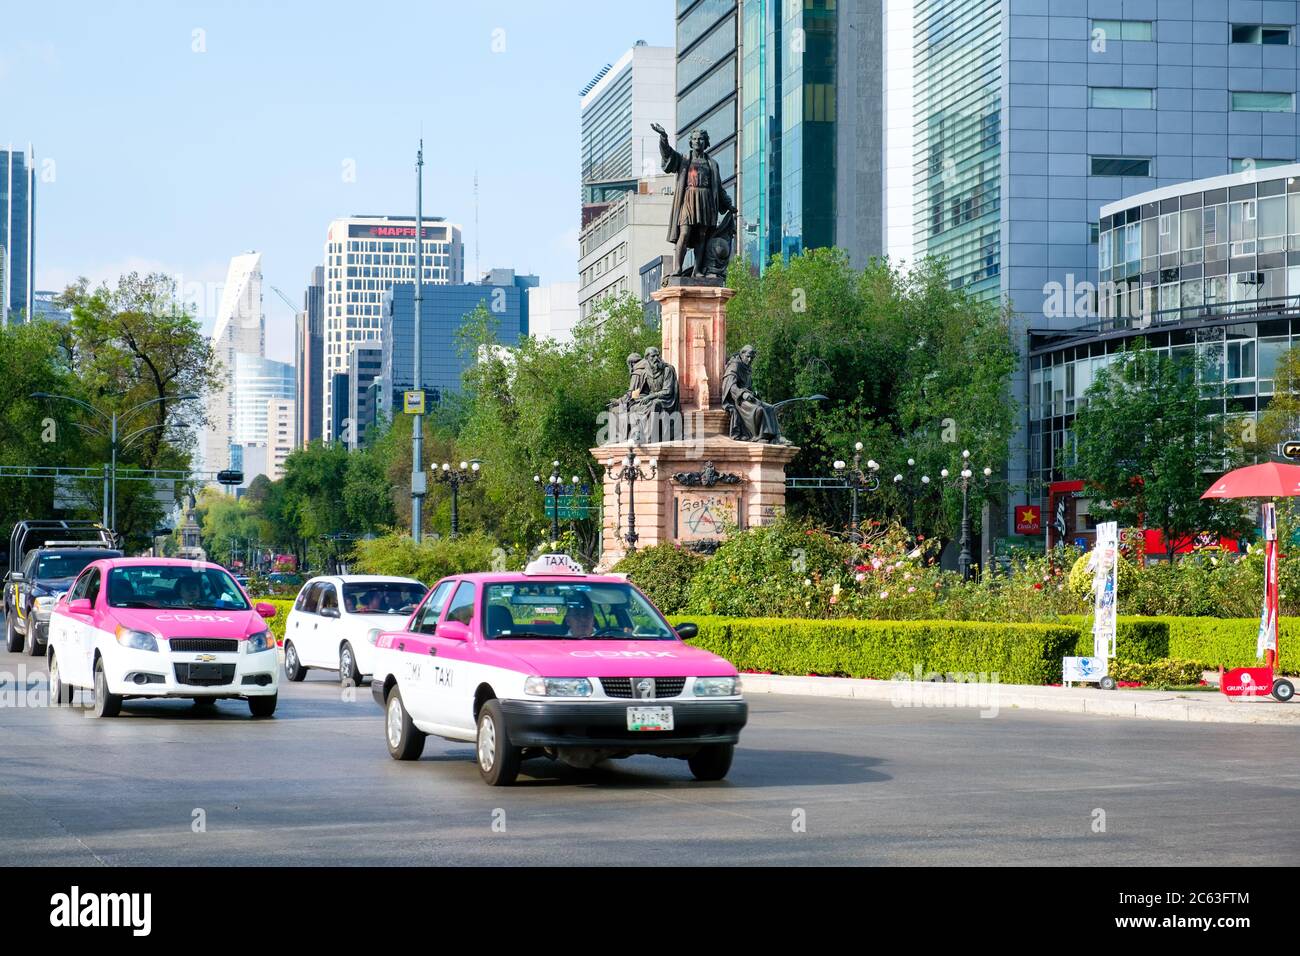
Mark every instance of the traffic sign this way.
pixel 230 476
pixel 413 402
pixel 572 507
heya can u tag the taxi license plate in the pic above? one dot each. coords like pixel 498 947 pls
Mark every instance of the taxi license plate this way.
pixel 649 718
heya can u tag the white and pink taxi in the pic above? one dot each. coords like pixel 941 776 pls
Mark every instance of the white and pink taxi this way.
pixel 160 627
pixel 558 663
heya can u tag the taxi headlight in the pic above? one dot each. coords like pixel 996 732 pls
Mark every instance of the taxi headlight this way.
pixel 261 641
pixel 717 686
pixel 137 640
pixel 558 687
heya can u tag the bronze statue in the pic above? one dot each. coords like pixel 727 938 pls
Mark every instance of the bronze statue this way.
pixel 698 201
pixel 655 401
pixel 751 418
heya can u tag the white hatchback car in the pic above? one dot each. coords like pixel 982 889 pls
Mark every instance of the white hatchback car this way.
pixel 335 618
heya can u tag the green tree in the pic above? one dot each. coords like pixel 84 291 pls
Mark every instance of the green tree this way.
pixel 1148 446
pixel 1280 421
pixel 912 367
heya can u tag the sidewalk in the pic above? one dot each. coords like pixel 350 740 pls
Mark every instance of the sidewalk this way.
pixel 1203 706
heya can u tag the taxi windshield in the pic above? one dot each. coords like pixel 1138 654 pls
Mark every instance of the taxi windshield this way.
pixel 554 610
pixel 174 586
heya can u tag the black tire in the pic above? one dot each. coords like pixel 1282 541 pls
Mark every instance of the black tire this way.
pixel 348 673
pixel 60 693
pixel 498 760
pixel 1107 683
pixel 1283 690
pixel 263 706
pixel 106 704
pixel 30 647
pixel 711 762
pixel 405 740
pixel 293 668
pixel 13 642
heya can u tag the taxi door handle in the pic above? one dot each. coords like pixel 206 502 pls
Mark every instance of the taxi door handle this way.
pixel 433 652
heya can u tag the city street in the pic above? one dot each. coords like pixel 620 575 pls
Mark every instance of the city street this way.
pixel 874 784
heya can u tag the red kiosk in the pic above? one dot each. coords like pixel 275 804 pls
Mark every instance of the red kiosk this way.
pixel 1269 480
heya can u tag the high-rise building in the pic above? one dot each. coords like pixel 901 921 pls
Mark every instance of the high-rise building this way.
pixel 365 256
pixel 617 108
pixel 1032 116
pixel 311 360
pixel 612 247
pixel 442 314
pixel 17 234
pixel 812 146
pixel 257 381
pixel 43 307
pixel 364 366
pixel 708 78
pixel 281 420
pixel 240 329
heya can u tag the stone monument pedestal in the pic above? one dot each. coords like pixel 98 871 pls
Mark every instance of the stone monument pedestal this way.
pixel 707 483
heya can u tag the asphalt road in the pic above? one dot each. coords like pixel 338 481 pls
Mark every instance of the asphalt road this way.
pixel 872 783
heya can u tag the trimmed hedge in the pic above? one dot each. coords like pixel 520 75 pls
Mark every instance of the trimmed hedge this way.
pixel 1226 641
pixel 282 608
pixel 1139 640
pixel 1017 653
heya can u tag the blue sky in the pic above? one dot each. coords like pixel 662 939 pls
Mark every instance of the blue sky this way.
pixel 156 155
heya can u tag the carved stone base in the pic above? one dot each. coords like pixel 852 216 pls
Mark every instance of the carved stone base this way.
pixel 694 323
pixel 690 511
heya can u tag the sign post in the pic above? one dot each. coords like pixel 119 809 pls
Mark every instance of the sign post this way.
pixel 1103 562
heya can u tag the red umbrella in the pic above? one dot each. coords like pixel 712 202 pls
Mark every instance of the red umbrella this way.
pixel 1269 480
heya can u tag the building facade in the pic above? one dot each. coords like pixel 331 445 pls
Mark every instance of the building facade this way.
pixel 240 330
pixel 365 256
pixel 618 147
pixel 17 234
pixel 1031 115
pixel 365 364
pixel 281 421
pixel 612 247
pixel 553 311
pixel 257 382
pixel 708 79
pixel 442 314
pixel 1209 268
pixel 310 351
pixel 812 117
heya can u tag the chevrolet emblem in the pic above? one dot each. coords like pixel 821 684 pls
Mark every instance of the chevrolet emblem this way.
pixel 206 657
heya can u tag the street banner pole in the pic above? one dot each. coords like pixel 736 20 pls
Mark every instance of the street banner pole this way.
pixel 1105 582
pixel 1266 642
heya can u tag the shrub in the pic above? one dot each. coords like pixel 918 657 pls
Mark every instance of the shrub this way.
pixel 664 572
pixel 430 560
pixel 1016 653
pixel 1166 672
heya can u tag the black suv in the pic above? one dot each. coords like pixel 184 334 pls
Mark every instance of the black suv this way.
pixel 44 559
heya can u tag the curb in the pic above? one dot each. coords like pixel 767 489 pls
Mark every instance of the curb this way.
pixel 990 698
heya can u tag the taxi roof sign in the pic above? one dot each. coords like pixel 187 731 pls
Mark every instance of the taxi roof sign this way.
pixel 553 564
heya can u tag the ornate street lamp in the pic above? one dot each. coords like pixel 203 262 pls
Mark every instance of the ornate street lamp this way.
pixel 455 477
pixel 858 481
pixel 964 479
pixel 552 490
pixel 630 470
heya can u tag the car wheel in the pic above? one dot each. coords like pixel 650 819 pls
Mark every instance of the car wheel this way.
pixel 106 704
pixel 348 673
pixel 293 668
pixel 60 693
pixel 712 761
pixel 1283 690
pixel 498 761
pixel 263 706
pixel 30 647
pixel 405 740
pixel 13 643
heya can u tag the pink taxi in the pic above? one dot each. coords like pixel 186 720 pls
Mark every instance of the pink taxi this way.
pixel 160 627
pixel 558 663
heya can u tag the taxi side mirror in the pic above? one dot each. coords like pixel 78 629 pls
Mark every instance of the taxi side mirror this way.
pixel 79 606
pixel 453 631
pixel 687 631
pixel 265 610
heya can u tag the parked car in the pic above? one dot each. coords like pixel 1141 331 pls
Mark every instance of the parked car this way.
pixel 555 662
pixel 161 627
pixel 335 619
pixel 45 556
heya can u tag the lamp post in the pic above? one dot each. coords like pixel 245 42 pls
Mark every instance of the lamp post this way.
pixel 964 479
pixel 552 490
pixel 116 442
pixel 455 477
pixel 630 470
pixel 858 481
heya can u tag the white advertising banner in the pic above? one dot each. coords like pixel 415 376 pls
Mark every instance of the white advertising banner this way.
pixel 1104 564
